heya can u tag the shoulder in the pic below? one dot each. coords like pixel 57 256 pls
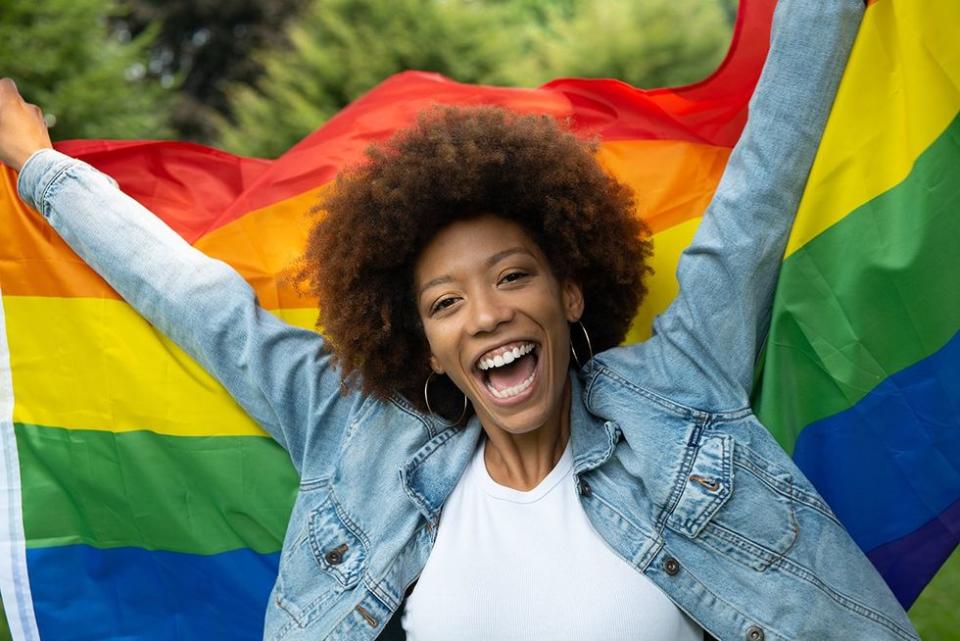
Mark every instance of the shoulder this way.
pixel 671 381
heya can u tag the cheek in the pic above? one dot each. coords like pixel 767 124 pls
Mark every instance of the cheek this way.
pixel 562 349
pixel 560 341
pixel 442 346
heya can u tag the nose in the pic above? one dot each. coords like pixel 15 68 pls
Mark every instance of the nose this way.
pixel 487 312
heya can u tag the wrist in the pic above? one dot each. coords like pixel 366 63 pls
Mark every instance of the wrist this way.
pixel 20 157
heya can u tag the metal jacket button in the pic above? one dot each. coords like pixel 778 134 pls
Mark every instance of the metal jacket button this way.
pixel 585 488
pixel 369 618
pixel 671 566
pixel 335 556
pixel 754 633
pixel 712 485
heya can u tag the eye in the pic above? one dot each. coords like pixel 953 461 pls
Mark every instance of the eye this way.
pixel 442 304
pixel 513 277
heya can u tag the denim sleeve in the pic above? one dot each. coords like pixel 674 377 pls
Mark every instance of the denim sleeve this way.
pixel 705 345
pixel 278 373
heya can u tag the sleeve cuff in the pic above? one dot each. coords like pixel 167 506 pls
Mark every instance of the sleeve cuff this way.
pixel 38 173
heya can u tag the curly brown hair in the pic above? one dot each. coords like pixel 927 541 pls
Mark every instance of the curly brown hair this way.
pixel 456 163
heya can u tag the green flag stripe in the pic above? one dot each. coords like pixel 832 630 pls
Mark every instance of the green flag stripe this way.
pixel 200 495
pixel 874 293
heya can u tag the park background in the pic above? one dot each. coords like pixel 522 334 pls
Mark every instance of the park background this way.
pixel 254 77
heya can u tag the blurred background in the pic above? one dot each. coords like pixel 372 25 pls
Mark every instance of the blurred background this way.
pixel 253 77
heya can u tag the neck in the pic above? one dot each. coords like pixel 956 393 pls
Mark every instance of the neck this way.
pixel 521 461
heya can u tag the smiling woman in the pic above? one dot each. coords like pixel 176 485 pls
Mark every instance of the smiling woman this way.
pixel 575 221
pixel 505 234
pixel 498 295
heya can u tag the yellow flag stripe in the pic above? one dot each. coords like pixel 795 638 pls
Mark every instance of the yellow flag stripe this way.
pixel 87 363
pixel 662 285
pixel 900 91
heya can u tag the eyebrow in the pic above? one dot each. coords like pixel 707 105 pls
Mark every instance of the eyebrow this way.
pixel 489 262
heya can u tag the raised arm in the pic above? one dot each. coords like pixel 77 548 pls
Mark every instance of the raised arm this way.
pixel 708 340
pixel 277 372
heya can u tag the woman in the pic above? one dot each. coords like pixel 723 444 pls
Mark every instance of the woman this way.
pixel 680 513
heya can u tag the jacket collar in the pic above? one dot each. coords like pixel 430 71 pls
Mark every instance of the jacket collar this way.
pixel 431 473
pixel 593 439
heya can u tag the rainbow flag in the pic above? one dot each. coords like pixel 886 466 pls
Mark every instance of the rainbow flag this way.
pixel 141 502
pixel 861 375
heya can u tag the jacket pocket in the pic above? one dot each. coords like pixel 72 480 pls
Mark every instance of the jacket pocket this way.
pixel 737 504
pixel 327 558
pixel 708 488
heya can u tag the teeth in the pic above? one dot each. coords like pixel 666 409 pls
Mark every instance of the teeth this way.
pixel 507 357
pixel 512 391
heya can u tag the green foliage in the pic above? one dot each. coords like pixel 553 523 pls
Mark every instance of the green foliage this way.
pixel 342 48
pixel 88 83
pixel 730 8
pixel 655 43
pixel 935 614
pixel 207 43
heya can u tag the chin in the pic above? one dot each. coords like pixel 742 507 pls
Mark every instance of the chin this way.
pixel 521 424
pixel 537 413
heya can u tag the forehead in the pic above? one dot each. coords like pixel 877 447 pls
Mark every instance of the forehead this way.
pixel 467 245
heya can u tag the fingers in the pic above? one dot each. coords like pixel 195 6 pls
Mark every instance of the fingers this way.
pixel 8 88
pixel 10 94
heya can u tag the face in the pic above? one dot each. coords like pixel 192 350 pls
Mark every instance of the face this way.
pixel 496 320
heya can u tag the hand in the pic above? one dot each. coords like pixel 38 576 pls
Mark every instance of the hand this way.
pixel 22 128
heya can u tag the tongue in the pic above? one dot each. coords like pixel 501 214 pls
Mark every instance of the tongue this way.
pixel 513 374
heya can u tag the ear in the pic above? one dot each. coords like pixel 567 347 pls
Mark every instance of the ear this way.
pixel 435 364
pixel 572 301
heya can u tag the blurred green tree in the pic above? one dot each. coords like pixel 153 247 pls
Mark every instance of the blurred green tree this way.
pixel 730 8
pixel 89 82
pixel 654 43
pixel 341 48
pixel 208 44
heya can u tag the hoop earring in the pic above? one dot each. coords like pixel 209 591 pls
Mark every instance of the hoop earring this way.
pixel 426 399
pixel 589 346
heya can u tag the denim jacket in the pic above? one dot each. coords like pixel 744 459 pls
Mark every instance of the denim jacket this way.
pixel 672 468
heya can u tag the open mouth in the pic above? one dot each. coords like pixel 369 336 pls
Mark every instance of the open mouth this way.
pixel 509 372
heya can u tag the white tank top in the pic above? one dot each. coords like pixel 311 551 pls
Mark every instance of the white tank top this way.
pixel 528 566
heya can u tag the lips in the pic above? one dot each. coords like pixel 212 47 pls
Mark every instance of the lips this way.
pixel 504 355
pixel 509 373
